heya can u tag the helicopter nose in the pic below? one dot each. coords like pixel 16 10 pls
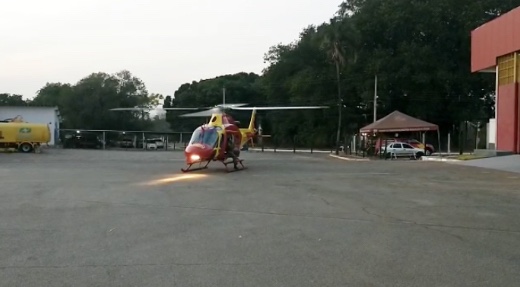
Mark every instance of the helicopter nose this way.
pixel 196 153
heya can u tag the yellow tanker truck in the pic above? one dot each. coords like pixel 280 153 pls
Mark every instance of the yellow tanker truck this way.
pixel 22 136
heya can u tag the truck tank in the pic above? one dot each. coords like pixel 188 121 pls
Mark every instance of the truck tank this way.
pixel 23 136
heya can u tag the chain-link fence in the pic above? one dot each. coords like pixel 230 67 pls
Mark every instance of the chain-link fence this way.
pixel 464 138
pixel 295 144
pixel 123 140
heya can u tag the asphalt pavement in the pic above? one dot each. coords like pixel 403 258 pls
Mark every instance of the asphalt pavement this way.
pixel 122 218
pixel 506 163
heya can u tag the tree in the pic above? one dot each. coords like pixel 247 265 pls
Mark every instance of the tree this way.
pixel 52 94
pixel 12 100
pixel 335 43
pixel 87 104
pixel 419 50
pixel 426 59
pixel 240 88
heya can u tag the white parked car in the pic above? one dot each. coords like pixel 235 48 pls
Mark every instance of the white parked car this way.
pixel 401 149
pixel 159 142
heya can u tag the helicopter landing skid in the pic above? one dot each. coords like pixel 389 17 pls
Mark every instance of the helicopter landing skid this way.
pixel 188 169
pixel 237 168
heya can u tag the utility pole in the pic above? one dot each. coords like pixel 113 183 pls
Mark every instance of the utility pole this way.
pixel 375 99
pixel 340 107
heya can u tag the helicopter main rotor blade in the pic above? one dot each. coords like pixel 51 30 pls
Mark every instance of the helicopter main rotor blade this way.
pixel 179 109
pixel 280 108
pixel 218 109
pixel 129 109
pixel 213 109
pixel 230 105
pixel 206 113
pixel 142 109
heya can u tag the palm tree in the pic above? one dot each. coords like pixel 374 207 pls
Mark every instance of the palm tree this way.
pixel 332 44
pixel 339 60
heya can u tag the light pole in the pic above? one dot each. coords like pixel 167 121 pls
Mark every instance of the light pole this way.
pixel 375 99
pixel 340 106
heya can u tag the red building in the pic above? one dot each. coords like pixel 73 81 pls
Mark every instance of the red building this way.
pixel 495 47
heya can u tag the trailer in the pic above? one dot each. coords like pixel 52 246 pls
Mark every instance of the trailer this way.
pixel 23 137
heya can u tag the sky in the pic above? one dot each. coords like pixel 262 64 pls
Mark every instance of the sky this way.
pixel 165 43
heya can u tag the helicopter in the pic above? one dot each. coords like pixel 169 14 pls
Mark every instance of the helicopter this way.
pixel 221 139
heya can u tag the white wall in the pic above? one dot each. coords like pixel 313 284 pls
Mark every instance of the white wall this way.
pixel 39 115
pixel 491 134
pixel 492 124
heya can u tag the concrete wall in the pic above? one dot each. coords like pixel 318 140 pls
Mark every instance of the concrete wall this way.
pixel 496 38
pixel 507 118
pixel 40 115
pixel 493 47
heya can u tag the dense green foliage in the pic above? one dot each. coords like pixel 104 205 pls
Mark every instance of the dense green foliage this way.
pixel 239 88
pixel 87 104
pixel 419 50
pixel 12 100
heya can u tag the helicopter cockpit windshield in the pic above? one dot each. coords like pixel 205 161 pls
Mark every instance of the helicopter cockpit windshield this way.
pixel 207 136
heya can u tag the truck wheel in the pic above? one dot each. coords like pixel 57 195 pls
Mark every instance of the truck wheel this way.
pixel 26 147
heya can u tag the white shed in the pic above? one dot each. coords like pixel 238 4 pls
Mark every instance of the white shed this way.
pixel 39 115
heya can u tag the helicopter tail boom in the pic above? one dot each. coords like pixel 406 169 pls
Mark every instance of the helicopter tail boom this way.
pixel 249 132
pixel 252 121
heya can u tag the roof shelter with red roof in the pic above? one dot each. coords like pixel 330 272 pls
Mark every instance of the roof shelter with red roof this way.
pixel 398 122
pixel 495 47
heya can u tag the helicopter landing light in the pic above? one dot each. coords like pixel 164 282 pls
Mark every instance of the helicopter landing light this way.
pixel 195 157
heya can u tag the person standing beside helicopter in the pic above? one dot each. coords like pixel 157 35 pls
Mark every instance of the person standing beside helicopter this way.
pixel 230 150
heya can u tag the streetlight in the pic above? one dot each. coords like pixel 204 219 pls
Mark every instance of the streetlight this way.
pixel 340 105
pixel 338 132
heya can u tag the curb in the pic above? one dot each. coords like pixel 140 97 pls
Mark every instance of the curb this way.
pixel 348 159
pixel 427 158
pixel 288 150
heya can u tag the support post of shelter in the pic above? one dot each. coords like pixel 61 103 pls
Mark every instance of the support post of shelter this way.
pixel 104 139
pixel 386 144
pixel 462 137
pixel 449 143
pixel 424 141
pixel 439 140
pixel 363 145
